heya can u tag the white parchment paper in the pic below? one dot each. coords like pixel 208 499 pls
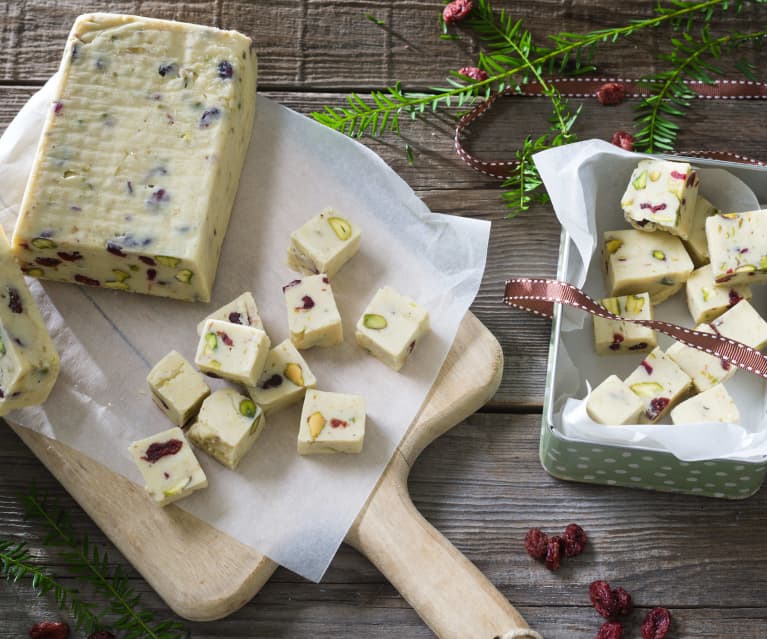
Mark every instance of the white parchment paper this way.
pixel 296 510
pixel 586 181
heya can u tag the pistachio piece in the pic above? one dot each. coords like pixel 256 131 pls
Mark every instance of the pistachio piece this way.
pixel 184 275
pixel 640 181
pixel 119 286
pixel 374 321
pixel 654 176
pixel 2 346
pixel 706 294
pixel 613 245
pixel 341 227
pixel 43 243
pixel 316 423
pixel 247 408
pixel 763 263
pixel 646 389
pixel 634 303
pixel 667 281
pixel 121 276
pixel 166 260
pixel 214 363
pixel 612 304
pixel 256 424
pixel 34 271
pixel 177 488
pixel 211 341
pixel 294 373
pixel 729 216
pixel 659 255
pixel 746 268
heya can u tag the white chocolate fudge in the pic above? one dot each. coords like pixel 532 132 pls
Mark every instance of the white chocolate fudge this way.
pixel 29 362
pixel 614 336
pixel 313 317
pixel 696 243
pixel 285 378
pixel 241 310
pixel 331 423
pixel 737 246
pixel 233 351
pixel 705 370
pixel 659 384
pixel 177 389
pixel 706 300
pixel 613 403
pixel 324 244
pixel 168 465
pixel 227 426
pixel 637 262
pixel 742 323
pixel 661 195
pixel 391 326
pixel 714 405
pixel 140 157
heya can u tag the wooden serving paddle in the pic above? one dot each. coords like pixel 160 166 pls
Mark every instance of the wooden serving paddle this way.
pixel 204 574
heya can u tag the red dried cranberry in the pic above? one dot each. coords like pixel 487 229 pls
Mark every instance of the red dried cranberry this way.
pixel 151 274
pixel 306 303
pixel 624 140
pixel 70 257
pixel 235 318
pixel 646 365
pixel 225 70
pixel 47 261
pixel 610 630
pixel 656 624
pixel 14 300
pixel 617 339
pixel 84 279
pixel 158 450
pixel 657 406
pixel 410 347
pixel 208 117
pixel 575 540
pixel 653 209
pixel 734 298
pixel 638 347
pixel 553 553
pixel 57 106
pixel 611 93
pixel 725 364
pixel 147 260
pixel 535 543
pixel 457 11
pixel 115 249
pixel 225 338
pixel 290 285
pixel 623 603
pixel 475 73
pixel 273 382
pixel 49 630
pixel 101 634
pixel 678 176
pixel 602 598
pixel 338 423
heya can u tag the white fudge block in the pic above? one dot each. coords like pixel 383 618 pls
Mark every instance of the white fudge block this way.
pixel 331 423
pixel 705 370
pixel 659 384
pixel 227 426
pixel 324 244
pixel 661 195
pixel 241 310
pixel 168 465
pixel 714 405
pixel 613 403
pixel 29 362
pixel 696 243
pixel 177 388
pixel 614 336
pixel 743 324
pixel 284 380
pixel 391 326
pixel 706 300
pixel 140 157
pixel 233 351
pixel 635 262
pixel 313 317
pixel 737 246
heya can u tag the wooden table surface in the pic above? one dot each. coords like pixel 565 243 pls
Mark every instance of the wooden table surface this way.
pixel 482 484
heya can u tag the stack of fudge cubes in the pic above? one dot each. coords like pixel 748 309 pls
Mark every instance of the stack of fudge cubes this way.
pixel 678 239
pixel 234 346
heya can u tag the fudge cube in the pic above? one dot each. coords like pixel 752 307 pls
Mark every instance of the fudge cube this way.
pixel 233 351
pixel 391 326
pixel 614 336
pixel 742 323
pixel 168 465
pixel 706 300
pixel 227 426
pixel 696 243
pixel 661 195
pixel 285 378
pixel 705 370
pixel 331 423
pixel 737 246
pixel 713 405
pixel 659 384
pixel 612 402
pixel 313 316
pixel 636 262
pixel 177 389
pixel 324 244
pixel 241 310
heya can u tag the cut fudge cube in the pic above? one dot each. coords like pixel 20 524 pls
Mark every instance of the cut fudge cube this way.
pixel 737 246
pixel 696 243
pixel 713 405
pixel 636 262
pixel 29 362
pixel 331 423
pixel 659 384
pixel 233 351
pixel 614 336
pixel 140 157
pixel 324 244
pixel 706 300
pixel 313 316
pixel 168 465
pixel 612 402
pixel 227 426
pixel 285 378
pixel 391 326
pixel 705 370
pixel 661 195
pixel 177 388
pixel 241 310
pixel 742 323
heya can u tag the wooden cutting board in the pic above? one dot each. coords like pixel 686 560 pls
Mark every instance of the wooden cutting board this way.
pixel 204 574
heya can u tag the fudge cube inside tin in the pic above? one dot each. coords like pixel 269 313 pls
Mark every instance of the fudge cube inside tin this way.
pixel 659 383
pixel 612 337
pixel 705 370
pixel 612 402
pixel 737 247
pixel 713 405
pixel 696 243
pixel 706 300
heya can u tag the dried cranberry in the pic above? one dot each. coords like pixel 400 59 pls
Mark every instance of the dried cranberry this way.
pixel 338 423
pixel 678 176
pixel 638 347
pixel 410 347
pixel 158 450
pixel 47 261
pixel 657 406
pixel 325 280
pixel 623 603
pixel 225 338
pixel 457 11
pixel 84 279
pixel 575 540
pixel 290 285
pixel 57 106
pixel 656 624
pixel 535 543
pixel 168 68
pixel 225 70
pixel 116 249
pixel 602 598
pixel 306 303
pixel 235 318
pixel 725 364
pixel 475 73
pixel 147 260
pixel 208 117
pixel 646 365
pixel 49 630
pixel 653 209
pixel 14 300
pixel 624 140
pixel 158 197
pixel 617 339
pixel 70 257
pixel 102 634
pixel 151 274
pixel 610 630
pixel 553 552
pixel 611 93
pixel 734 298
pixel 273 382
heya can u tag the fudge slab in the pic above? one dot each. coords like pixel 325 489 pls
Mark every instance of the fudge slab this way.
pixel 285 378
pixel 177 388
pixel 612 402
pixel 141 154
pixel 612 337
pixel 331 423
pixel 737 246
pixel 324 244
pixel 713 405
pixel 659 384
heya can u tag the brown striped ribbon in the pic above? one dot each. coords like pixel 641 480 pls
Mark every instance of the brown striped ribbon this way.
pixel 588 87
pixel 539 296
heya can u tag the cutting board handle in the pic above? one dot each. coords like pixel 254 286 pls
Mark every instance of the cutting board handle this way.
pixel 449 592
